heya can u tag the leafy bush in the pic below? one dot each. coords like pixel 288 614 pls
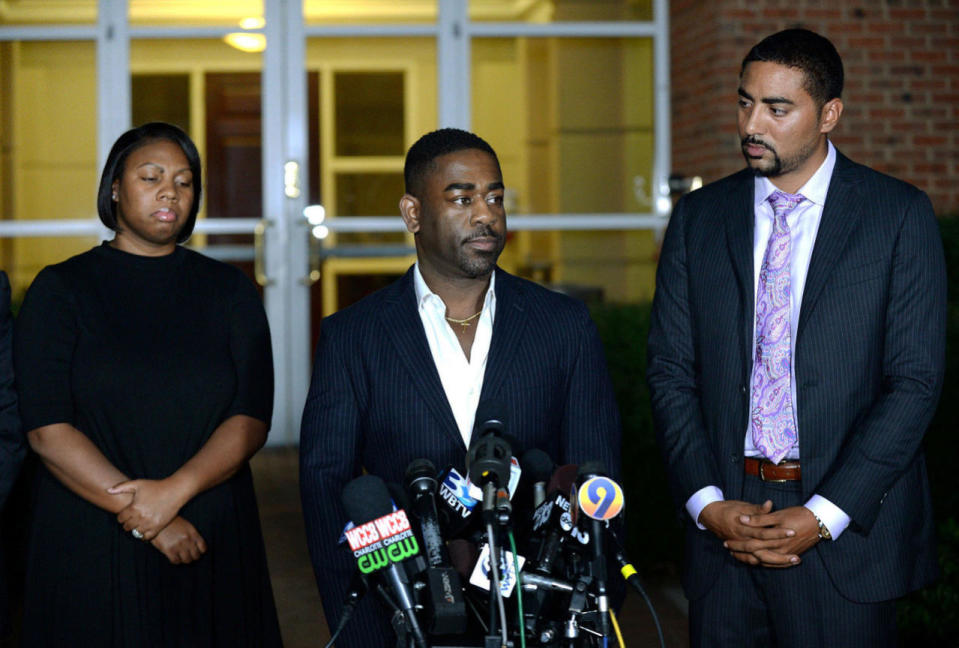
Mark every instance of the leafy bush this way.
pixel 654 533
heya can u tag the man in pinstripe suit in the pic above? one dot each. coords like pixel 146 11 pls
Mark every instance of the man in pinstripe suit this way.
pixel 796 355
pixel 398 375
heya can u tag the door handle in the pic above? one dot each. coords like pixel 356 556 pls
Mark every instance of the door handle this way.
pixel 259 264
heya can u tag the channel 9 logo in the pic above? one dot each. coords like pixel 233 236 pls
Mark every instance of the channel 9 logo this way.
pixel 601 498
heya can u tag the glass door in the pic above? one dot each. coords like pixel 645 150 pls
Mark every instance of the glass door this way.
pixel 302 111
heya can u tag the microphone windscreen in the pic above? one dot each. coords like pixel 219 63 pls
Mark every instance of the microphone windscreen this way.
pixel 366 498
pixel 563 479
pixel 592 469
pixel 490 416
pixel 536 465
pixel 418 469
pixel 463 555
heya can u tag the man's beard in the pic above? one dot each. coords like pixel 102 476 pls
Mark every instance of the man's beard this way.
pixel 778 166
pixel 478 263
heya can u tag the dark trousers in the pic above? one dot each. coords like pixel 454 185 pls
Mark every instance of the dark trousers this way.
pixel 792 607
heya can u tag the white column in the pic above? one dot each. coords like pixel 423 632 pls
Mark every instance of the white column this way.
pixel 663 158
pixel 285 133
pixel 453 64
pixel 113 75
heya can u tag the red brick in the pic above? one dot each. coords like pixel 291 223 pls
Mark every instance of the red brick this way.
pixel 927 28
pixel 884 27
pixel 866 42
pixel 910 42
pixel 945 43
pixel 887 55
pixel 927 84
pixel 937 56
pixel 789 13
pixel 811 13
pixel 937 168
pixel 887 113
pixel 929 112
pixel 906 14
pixel 928 140
pixel 846 28
pixel 907 70
pixel 739 14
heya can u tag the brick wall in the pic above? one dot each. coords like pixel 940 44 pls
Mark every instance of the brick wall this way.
pixel 902 83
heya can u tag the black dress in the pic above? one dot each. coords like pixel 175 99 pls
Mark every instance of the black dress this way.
pixel 146 356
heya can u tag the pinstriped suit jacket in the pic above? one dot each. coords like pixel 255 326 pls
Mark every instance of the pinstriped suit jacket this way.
pixel 376 403
pixel 870 352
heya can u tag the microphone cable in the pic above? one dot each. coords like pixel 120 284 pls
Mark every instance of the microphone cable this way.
pixel 519 591
pixel 494 581
pixel 632 577
pixel 619 634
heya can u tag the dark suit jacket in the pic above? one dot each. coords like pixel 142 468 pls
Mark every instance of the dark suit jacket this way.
pixel 868 364
pixel 12 444
pixel 376 403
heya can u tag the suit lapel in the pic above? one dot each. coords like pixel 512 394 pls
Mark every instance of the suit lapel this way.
pixel 840 216
pixel 508 327
pixel 739 238
pixel 401 320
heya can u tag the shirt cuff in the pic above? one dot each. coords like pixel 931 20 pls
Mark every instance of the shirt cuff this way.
pixel 700 499
pixel 832 517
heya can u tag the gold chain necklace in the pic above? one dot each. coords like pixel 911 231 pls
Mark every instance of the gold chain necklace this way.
pixel 464 322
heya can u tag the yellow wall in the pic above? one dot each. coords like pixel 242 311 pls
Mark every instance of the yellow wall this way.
pixel 51 110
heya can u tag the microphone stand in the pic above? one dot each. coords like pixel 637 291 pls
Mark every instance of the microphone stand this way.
pixel 496 516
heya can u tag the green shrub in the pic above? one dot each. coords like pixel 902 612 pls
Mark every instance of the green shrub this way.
pixel 654 533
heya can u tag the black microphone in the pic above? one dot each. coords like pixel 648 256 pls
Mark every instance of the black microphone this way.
pixel 489 456
pixel 601 499
pixel 537 467
pixel 445 586
pixel 381 539
pixel 552 520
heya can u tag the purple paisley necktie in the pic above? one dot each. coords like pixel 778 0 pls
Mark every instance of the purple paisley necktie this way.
pixel 771 411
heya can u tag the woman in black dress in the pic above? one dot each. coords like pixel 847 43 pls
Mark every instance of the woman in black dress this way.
pixel 145 378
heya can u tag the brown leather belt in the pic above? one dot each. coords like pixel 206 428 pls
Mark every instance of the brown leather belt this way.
pixel 769 472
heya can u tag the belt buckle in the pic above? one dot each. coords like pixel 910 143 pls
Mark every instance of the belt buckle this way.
pixel 762 473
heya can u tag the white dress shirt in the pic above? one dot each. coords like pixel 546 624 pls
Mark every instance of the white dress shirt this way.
pixel 803 224
pixel 462 379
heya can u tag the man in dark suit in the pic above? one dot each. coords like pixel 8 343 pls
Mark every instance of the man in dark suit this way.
pixel 399 375
pixel 796 355
pixel 12 445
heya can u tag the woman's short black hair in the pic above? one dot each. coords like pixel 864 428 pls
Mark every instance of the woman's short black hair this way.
pixel 116 162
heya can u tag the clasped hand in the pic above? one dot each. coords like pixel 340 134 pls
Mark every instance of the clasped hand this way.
pixel 154 505
pixel 756 535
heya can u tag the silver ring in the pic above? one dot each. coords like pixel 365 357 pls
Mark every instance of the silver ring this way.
pixel 137 534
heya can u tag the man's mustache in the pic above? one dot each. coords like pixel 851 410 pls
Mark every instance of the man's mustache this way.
pixel 486 232
pixel 751 139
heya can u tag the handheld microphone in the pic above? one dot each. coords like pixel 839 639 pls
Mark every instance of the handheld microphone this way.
pixel 489 456
pixel 552 520
pixel 445 587
pixel 538 466
pixel 601 499
pixel 381 539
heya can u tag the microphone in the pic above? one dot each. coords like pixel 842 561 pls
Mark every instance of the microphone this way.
pixel 538 466
pixel 445 586
pixel 381 540
pixel 457 497
pixel 553 520
pixel 601 499
pixel 488 459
